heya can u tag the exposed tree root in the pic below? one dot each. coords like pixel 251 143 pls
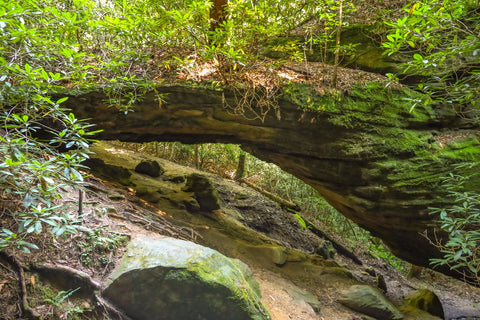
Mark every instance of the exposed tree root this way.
pixel 13 261
pixel 89 286
pixel 76 277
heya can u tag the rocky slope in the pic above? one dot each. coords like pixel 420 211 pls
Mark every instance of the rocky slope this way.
pixel 245 225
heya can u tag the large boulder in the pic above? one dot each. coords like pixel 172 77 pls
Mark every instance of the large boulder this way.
pixel 171 279
pixel 424 300
pixel 371 302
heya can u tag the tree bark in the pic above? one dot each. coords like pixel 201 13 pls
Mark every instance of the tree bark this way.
pixel 218 14
pixel 337 50
pixel 241 166
pixel 197 161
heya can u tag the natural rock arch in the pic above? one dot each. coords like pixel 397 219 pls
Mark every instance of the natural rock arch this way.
pixel 373 158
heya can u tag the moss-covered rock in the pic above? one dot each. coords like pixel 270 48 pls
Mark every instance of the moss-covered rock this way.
pixel 203 190
pixel 149 167
pixel 371 302
pixel 172 279
pixel 109 171
pixel 424 300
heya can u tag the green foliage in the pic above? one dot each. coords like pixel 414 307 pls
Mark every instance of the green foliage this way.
pixel 38 52
pixel 60 297
pixel 60 305
pixel 442 39
pixel 461 252
pixel 301 221
pixel 377 249
pixel 319 28
pixel 99 247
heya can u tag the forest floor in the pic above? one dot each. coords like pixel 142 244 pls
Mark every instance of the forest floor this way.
pixel 113 214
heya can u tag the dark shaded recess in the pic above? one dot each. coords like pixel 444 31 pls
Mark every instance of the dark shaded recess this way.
pixel 108 171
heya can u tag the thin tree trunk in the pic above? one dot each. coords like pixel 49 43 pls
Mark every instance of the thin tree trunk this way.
pixel 197 166
pixel 273 197
pixel 172 151
pixel 337 50
pixel 241 166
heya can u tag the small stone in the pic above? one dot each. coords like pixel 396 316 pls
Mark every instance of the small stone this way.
pixel 278 255
pixel 326 250
pixel 111 210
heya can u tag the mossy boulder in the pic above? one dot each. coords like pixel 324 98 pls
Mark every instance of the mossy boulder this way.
pixel 150 167
pixel 172 279
pixel 204 191
pixel 371 302
pixel 425 300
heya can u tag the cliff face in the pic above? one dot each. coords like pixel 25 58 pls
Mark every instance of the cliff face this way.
pixel 367 152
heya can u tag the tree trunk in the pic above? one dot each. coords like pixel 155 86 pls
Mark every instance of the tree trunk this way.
pixel 337 50
pixel 218 13
pixel 197 161
pixel 241 166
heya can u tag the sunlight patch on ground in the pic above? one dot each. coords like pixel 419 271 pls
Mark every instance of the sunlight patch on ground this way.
pixel 117 151
pixel 206 69
pixel 287 75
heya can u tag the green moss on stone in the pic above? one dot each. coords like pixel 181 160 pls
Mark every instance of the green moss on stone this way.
pixel 385 142
pixel 364 107
pixel 465 149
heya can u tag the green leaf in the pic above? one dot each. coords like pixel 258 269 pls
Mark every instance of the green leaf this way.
pixel 457 256
pixel 28 200
pixel 59 101
pixel 38 227
pixel 44 75
pixel 418 57
pixel 77 174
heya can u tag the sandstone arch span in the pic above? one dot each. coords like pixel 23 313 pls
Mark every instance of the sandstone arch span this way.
pixel 364 151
